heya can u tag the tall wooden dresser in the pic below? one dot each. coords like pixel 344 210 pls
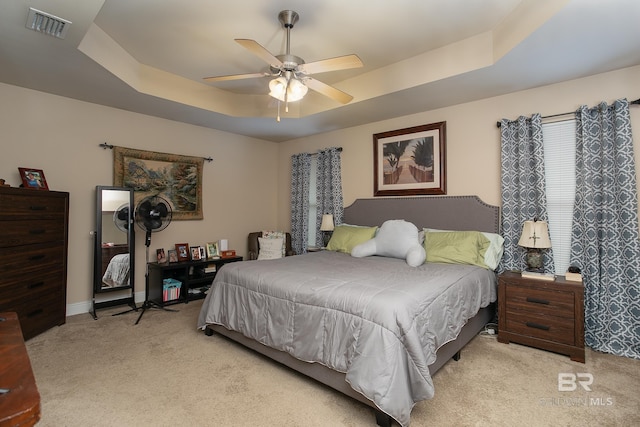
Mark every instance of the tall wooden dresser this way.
pixel 33 257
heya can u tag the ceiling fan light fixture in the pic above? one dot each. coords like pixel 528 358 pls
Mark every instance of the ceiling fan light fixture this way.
pixel 294 88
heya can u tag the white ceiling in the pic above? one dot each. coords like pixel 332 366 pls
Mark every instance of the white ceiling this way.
pixel 150 56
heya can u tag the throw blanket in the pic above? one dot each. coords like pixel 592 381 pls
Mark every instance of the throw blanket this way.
pixel 117 272
pixel 375 319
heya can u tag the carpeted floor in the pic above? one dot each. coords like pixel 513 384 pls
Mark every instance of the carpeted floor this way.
pixel 164 372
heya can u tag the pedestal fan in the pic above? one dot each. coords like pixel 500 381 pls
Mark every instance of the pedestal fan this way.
pixel 152 214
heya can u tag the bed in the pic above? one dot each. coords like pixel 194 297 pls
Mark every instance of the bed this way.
pixel 377 338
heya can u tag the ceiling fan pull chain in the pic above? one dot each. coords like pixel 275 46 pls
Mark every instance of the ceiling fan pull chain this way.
pixel 286 93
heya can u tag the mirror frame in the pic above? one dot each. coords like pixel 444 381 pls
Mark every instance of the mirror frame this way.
pixel 98 263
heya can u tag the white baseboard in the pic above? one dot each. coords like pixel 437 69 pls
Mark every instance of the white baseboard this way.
pixel 85 306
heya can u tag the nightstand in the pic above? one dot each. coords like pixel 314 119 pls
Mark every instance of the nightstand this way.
pixel 544 314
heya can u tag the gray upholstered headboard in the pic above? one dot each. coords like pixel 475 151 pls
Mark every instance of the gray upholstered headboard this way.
pixel 441 212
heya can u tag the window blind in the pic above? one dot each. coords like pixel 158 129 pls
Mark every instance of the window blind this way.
pixel 559 139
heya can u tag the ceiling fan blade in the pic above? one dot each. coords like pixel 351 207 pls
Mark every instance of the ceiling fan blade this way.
pixel 331 64
pixel 327 90
pixel 257 49
pixel 235 77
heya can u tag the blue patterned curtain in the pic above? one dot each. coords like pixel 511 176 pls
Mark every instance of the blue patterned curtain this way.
pixel 329 188
pixel 523 186
pixel 605 237
pixel 300 178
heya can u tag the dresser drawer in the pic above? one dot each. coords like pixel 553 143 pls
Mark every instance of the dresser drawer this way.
pixel 30 259
pixel 544 301
pixel 548 328
pixel 32 205
pixel 22 232
pixel 38 314
pixel 29 286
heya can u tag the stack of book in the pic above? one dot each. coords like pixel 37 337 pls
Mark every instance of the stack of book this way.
pixel 538 276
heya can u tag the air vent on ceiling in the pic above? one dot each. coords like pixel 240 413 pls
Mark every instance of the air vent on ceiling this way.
pixel 46 23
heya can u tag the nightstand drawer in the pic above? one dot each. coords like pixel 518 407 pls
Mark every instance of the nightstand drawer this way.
pixel 543 301
pixel 544 327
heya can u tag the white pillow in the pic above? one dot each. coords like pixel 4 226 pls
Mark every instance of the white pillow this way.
pixel 276 235
pixel 270 248
pixel 396 238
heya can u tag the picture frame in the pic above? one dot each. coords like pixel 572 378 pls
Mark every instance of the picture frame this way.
pixel 175 178
pixel 203 252
pixel 410 161
pixel 212 250
pixel 173 255
pixel 182 250
pixel 195 253
pixel 33 178
pixel 161 256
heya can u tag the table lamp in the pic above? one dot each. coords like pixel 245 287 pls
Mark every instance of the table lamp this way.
pixel 327 228
pixel 535 237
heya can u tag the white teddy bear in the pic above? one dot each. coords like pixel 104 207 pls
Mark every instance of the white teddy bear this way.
pixel 396 238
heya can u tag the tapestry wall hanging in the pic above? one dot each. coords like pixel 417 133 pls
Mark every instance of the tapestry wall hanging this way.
pixel 175 178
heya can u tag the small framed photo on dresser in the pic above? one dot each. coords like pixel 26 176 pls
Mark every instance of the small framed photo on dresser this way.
pixel 173 255
pixel 33 178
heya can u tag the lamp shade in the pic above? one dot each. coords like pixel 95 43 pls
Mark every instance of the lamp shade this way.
pixel 327 223
pixel 295 89
pixel 535 234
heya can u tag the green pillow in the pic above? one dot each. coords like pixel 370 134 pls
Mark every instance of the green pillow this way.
pixel 493 255
pixel 456 247
pixel 345 237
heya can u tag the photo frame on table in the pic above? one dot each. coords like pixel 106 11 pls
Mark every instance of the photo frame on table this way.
pixel 161 256
pixel 410 161
pixel 203 252
pixel 195 253
pixel 173 255
pixel 33 178
pixel 212 250
pixel 182 249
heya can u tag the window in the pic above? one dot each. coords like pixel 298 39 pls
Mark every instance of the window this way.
pixel 559 140
pixel 313 203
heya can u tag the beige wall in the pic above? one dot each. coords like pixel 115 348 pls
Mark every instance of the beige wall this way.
pixel 473 140
pixel 61 136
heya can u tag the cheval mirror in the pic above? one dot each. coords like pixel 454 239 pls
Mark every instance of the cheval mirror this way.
pixel 113 260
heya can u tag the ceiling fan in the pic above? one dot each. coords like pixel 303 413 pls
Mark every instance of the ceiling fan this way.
pixel 291 75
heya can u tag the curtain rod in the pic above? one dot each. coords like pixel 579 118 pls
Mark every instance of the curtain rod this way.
pixel 636 102
pixel 104 145
pixel 318 152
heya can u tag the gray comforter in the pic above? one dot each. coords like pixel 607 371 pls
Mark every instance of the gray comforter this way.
pixel 376 319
